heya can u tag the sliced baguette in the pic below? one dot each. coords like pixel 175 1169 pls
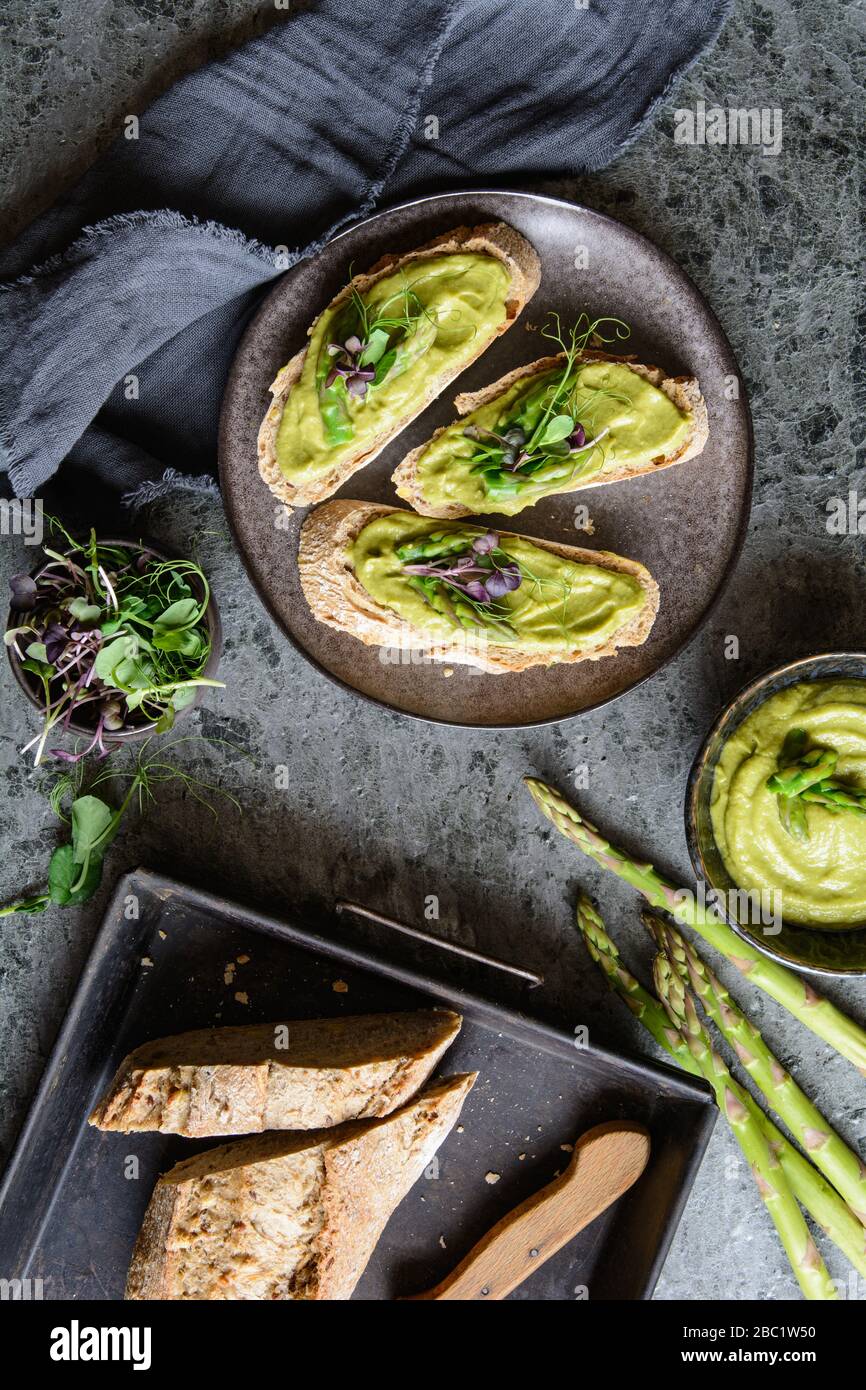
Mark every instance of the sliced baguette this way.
pixel 493 239
pixel 245 1080
pixel 336 596
pixel 287 1216
pixel 684 391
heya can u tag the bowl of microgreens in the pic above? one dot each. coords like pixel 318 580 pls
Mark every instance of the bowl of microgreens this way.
pixel 110 640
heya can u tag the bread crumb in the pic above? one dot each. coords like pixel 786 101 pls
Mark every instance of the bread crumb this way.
pixel 567 1148
pixel 242 960
pixel 521 1157
pixel 459 1129
pixel 442 1242
pixel 162 936
pixel 449 671
pixel 146 962
pixel 229 973
pixel 492 1178
pixel 241 996
pixel 340 987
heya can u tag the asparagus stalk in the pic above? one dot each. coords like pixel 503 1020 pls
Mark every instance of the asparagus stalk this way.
pixel 812 1131
pixel 797 777
pixel 811 1189
pixel 806 1262
pixel 788 989
pixel 642 1004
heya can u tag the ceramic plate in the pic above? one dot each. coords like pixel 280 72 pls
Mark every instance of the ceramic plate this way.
pixel 686 524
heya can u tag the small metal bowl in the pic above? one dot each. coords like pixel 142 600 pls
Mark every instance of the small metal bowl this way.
pixel 78 726
pixel 840 951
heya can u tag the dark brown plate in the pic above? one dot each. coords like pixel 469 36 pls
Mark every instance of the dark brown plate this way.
pixel 686 524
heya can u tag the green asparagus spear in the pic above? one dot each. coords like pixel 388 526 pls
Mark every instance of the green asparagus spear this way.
pixel 811 1189
pixel 836 796
pixel 812 1131
pixel 643 1005
pixel 788 989
pixel 813 767
pixel 806 1262
pixel 807 778
pixel 438 545
pixel 792 814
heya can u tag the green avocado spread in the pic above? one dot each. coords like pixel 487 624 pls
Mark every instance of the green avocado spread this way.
pixel 819 875
pixel 410 326
pixel 555 605
pixel 633 421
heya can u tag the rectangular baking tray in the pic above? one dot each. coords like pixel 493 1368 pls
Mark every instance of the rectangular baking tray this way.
pixel 166 959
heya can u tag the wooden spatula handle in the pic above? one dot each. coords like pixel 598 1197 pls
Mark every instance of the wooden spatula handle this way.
pixel 606 1161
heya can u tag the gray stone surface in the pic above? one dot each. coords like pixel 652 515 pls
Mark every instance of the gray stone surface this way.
pixel 389 811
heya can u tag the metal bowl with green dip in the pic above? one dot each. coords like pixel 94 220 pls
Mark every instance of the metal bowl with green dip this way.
pixel 776 812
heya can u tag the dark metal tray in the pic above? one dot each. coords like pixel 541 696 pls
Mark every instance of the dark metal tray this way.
pixel 72 1198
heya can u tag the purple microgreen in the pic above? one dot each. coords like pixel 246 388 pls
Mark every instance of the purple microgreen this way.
pixel 477 591
pixel 56 639
pixel 484 544
pixel 503 581
pixel 475 573
pixel 24 592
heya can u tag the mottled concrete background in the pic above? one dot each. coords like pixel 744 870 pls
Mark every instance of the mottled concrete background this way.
pixel 387 810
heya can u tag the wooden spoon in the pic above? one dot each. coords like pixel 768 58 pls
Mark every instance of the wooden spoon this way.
pixel 605 1163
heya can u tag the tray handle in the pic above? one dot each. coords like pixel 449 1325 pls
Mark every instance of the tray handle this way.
pixel 531 980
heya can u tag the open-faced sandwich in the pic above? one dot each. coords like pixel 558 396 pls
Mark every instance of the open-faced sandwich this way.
pixel 383 349
pixel 576 420
pixel 461 593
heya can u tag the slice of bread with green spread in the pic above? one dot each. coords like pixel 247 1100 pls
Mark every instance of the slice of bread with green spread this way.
pixel 682 391
pixel 494 240
pixel 338 598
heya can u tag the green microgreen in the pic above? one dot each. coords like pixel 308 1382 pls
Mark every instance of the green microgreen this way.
pixel 110 635
pixel 75 867
pixel 374 341
pixel 547 435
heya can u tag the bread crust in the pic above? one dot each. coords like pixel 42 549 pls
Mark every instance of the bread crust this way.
pixel 215 1081
pixel 494 239
pixel 684 391
pixel 287 1216
pixel 337 598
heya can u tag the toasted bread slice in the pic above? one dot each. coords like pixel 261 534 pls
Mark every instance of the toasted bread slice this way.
pixel 304 1075
pixel 337 598
pixel 495 239
pixel 684 391
pixel 287 1216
